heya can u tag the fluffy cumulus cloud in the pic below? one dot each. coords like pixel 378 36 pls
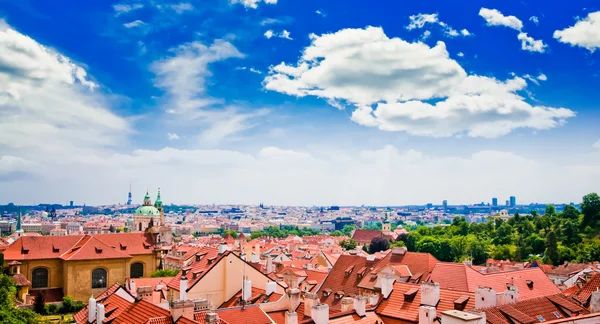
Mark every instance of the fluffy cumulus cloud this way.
pixel 252 4
pixel 275 175
pixel 48 102
pixel 585 33
pixel 391 83
pixel 494 17
pixel 530 44
pixel 421 20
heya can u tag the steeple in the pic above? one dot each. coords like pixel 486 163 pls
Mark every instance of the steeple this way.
pixel 147 201
pixel 19 229
pixel 158 202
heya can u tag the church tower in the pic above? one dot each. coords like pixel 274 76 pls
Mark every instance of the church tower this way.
pixel 386 227
pixel 159 205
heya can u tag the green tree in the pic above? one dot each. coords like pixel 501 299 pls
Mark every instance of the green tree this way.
pixel 233 233
pixel 502 252
pixel 39 303
pixel 349 244
pixel 378 244
pixel 347 230
pixel 164 273
pixel 570 212
pixel 504 235
pixel 336 233
pixel 552 249
pixel 590 207
pixel 550 210
pixel 570 232
pixel 9 314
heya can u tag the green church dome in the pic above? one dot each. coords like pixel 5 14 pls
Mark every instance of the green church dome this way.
pixel 147 210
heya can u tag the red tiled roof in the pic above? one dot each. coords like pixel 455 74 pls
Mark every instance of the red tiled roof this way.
pixel 258 296
pixel 369 318
pixel 361 235
pixel 53 247
pixel 583 294
pixel 203 265
pixel 140 312
pixel 395 306
pixel 114 305
pixel 91 248
pixel 20 280
pixel 338 280
pixel 458 276
pixel 251 314
pixel 533 310
pixel 419 264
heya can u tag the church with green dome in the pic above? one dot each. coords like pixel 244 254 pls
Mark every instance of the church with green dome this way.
pixel 149 215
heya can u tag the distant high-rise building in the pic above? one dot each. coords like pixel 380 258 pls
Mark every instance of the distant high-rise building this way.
pixel 513 201
pixel 507 203
pixel 445 204
pixel 129 195
pixel 71 203
pixel 495 202
pixel 429 205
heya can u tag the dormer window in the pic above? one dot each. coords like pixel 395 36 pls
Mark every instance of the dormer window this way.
pixel 349 270
pixel 55 249
pixel 98 250
pixel 326 292
pixel 339 294
pixel 197 274
pixel 211 260
pixel 529 283
pixel 123 247
pixel 361 272
pixel 410 294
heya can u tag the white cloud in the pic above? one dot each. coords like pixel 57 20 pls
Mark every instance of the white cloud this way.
pixel 135 23
pixel 283 34
pixel 48 102
pixel 460 54
pixel 420 20
pixel 367 177
pixel 253 4
pixel 493 17
pixel 321 13
pixel 532 79
pixel 530 44
pixel 386 79
pixel 251 69
pixel 542 77
pixel 270 21
pixel 596 145
pixel 125 8
pixel 535 20
pixel 585 33
pixel 172 136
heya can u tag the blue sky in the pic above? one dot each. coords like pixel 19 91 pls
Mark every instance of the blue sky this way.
pixel 289 102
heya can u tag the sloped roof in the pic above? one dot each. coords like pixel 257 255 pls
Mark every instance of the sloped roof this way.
pixel 369 318
pixel 201 267
pixel 91 248
pixel 583 294
pixel 251 314
pixel 459 276
pixel 140 312
pixel 395 306
pixel 361 235
pixel 257 296
pixel 417 263
pixel 339 280
pixel 534 310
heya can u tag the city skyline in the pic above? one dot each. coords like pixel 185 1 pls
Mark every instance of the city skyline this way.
pixel 290 103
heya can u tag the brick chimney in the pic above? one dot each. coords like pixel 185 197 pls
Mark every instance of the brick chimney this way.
pixel 291 317
pixel 360 305
pixel 182 308
pixel 511 294
pixel 320 314
pixel 183 286
pixel 485 297
pixel 387 285
pixel 595 302
pixel 426 314
pixel 373 299
pixel 347 304
pixel 430 293
pixel 294 296
pixel 211 318
pixel 310 299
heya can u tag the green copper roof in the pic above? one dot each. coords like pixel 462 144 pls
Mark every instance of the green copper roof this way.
pixel 147 196
pixel 147 210
pixel 158 202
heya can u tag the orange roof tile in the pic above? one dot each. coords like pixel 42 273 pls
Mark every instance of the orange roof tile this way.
pixel 583 294
pixel 204 264
pixel 91 248
pixel 396 306
pixel 369 318
pixel 140 312
pixel 533 310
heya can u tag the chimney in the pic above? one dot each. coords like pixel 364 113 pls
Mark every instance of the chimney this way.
pixel 430 293
pixel 254 258
pixel 485 297
pixel 360 305
pixel 291 317
pixel 387 285
pixel 310 299
pixel 247 289
pixel 347 304
pixel 270 287
pixel 371 257
pixel 426 314
pixel 99 313
pixel 222 249
pixel 511 294
pixel 269 264
pixel 159 286
pixel 91 309
pixel 320 314
pixel 183 286
pixel 257 248
pixel 595 302
pixel 373 299
pixel 132 288
pixel 182 308
pixel 294 296
pixel 399 250
pixel 211 318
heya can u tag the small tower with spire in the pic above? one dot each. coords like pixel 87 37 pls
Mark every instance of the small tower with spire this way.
pixel 147 201
pixel 19 230
pixel 129 195
pixel 159 205
pixel 386 227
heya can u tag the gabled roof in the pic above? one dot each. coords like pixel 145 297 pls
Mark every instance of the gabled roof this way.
pixel 583 294
pixel 113 305
pixel 398 307
pixel 251 314
pixel 140 312
pixel 361 235
pixel 534 310
pixel 339 280
pixel 419 264
pixel 461 277
pixel 199 268
pixel 257 296
pixel 91 248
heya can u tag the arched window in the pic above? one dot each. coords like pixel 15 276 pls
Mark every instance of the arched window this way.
pixel 39 278
pixel 136 270
pixel 98 278
pixel 140 227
